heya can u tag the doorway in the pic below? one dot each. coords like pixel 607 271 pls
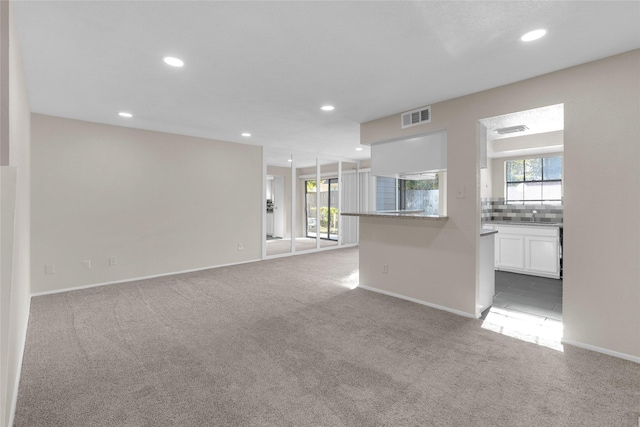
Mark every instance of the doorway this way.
pixel 521 180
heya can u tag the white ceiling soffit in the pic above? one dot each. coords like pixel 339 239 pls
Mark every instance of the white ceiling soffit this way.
pixel 544 132
pixel 267 67
pixel 538 120
pixel 527 145
pixel 274 156
pixel 410 156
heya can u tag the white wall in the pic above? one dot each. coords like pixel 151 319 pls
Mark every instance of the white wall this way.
pixel 414 268
pixel 160 203
pixel 15 142
pixel 486 182
pixel 601 308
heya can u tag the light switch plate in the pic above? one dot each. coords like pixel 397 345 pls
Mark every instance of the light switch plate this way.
pixel 460 193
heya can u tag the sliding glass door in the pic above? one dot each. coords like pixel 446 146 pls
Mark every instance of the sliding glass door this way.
pixel 325 197
pixel 303 196
pixel 329 211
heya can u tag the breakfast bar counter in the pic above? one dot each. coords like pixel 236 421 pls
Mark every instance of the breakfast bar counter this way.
pixel 419 215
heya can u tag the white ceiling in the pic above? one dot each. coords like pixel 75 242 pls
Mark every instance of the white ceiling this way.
pixel 267 67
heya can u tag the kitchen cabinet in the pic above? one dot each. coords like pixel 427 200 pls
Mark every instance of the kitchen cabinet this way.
pixel 533 250
pixel 509 250
pixel 542 256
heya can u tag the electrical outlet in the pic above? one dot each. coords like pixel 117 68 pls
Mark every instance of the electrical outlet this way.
pixel 49 269
pixel 385 268
pixel 113 261
pixel 240 247
pixel 86 264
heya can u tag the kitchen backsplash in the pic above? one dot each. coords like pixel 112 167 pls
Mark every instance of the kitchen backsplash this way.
pixel 496 209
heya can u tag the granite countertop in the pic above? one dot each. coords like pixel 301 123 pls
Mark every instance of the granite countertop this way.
pixel 524 223
pixel 420 215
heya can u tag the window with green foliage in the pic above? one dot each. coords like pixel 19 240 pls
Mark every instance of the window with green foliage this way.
pixel 534 181
pixel 327 197
pixel 408 194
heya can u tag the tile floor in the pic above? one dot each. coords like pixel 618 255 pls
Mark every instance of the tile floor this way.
pixel 539 296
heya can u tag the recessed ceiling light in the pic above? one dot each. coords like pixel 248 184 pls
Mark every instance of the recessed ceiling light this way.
pixel 534 35
pixel 247 134
pixel 123 114
pixel 290 160
pixel 327 108
pixel 174 62
pixel 359 148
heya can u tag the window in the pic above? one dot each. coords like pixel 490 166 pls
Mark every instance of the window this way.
pixel 408 194
pixel 534 181
pixel 386 194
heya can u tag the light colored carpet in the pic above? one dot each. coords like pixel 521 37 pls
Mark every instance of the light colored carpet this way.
pixel 286 342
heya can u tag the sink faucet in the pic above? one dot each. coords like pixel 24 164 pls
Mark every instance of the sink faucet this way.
pixel 533 216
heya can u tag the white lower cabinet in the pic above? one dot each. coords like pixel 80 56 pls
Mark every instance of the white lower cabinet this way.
pixel 533 250
pixel 541 255
pixel 509 250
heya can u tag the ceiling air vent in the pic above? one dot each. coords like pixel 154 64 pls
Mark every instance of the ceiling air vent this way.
pixel 415 117
pixel 512 129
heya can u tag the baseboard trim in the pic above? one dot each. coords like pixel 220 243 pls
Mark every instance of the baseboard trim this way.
pixel 135 279
pixel 418 301
pixel 602 350
pixel 309 251
pixel 14 400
